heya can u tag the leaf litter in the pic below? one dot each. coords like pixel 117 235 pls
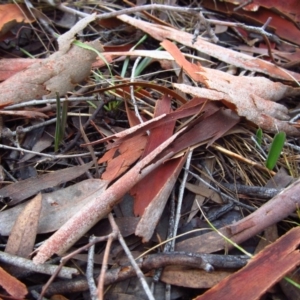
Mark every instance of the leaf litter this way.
pixel 142 130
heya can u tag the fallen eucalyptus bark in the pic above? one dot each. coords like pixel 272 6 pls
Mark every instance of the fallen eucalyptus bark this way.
pixel 275 210
pixel 100 203
pixel 59 73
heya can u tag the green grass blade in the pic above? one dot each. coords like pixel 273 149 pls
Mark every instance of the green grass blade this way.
pixel 144 63
pixel 64 116
pixel 26 53
pixel 126 61
pixel 259 136
pixel 275 150
pixel 88 47
pixel 57 137
pixel 61 121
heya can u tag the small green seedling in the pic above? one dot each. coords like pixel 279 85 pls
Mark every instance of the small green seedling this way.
pixel 275 150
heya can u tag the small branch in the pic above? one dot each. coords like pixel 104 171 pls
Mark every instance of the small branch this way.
pixel 275 210
pixel 158 260
pixel 27 264
pixel 49 101
pixel 254 191
pixel 131 10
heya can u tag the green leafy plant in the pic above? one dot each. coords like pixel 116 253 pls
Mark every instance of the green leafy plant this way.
pixel 275 150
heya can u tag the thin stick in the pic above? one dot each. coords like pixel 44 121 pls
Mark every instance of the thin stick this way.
pixel 131 10
pixel 111 238
pixel 89 270
pixel 50 156
pixel 180 196
pixel 138 271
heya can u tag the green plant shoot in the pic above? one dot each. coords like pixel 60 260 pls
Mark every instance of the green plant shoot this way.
pixel 61 121
pixel 275 150
pixel 259 136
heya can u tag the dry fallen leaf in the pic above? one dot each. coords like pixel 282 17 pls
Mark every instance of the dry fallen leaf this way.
pixel 283 15
pixel 193 278
pixel 57 207
pixel 22 237
pixel 23 189
pixel 12 285
pixel 11 14
pixel 24 113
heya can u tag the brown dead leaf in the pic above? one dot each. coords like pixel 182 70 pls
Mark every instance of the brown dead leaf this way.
pixel 208 128
pixel 262 272
pixel 57 207
pixel 26 188
pixel 24 113
pixel 193 278
pixel 22 237
pixel 190 108
pixel 41 144
pixel 57 74
pixel 12 14
pixel 250 97
pixel 203 190
pixel 12 285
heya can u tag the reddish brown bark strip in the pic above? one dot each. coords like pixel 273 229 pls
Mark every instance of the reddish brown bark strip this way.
pixel 99 205
pixel 263 271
